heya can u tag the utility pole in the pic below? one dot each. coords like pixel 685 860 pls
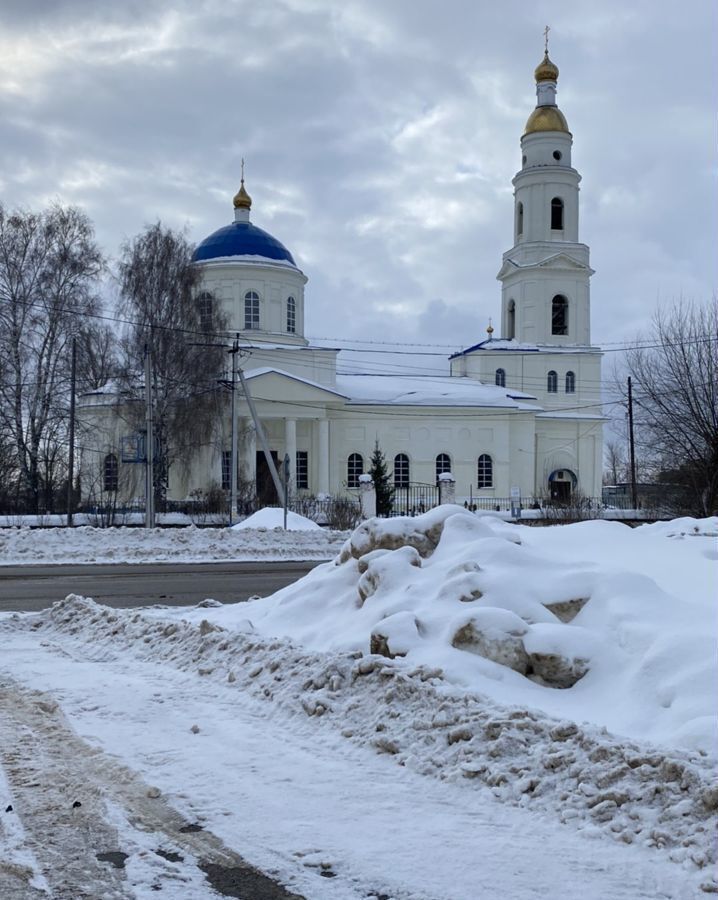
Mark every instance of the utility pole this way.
pixel 71 436
pixel 233 512
pixel 634 492
pixel 262 439
pixel 149 445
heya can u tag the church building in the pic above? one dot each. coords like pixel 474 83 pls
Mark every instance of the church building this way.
pixel 517 413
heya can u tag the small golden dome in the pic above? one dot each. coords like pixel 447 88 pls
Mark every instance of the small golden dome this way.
pixel 546 70
pixel 242 200
pixel 546 118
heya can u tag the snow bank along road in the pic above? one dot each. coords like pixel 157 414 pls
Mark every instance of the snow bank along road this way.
pixel 20 546
pixel 339 775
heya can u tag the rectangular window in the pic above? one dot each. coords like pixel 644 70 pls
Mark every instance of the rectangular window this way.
pixel 226 470
pixel 251 310
pixel 302 470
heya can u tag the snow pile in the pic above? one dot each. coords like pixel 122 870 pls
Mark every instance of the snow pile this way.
pixel 19 546
pixel 580 775
pixel 270 517
pixel 685 527
pixel 592 621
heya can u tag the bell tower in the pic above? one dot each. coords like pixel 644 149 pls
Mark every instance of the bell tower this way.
pixel 545 275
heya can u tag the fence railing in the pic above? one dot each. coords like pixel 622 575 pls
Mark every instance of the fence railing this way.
pixel 344 513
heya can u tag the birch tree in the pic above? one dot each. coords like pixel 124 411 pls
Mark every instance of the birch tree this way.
pixel 50 265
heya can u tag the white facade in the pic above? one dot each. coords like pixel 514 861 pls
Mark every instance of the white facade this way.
pixel 528 402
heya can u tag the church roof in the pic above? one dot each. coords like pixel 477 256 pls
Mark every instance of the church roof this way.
pixel 421 390
pixel 494 345
pixel 242 239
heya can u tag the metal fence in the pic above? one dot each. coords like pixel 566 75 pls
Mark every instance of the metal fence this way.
pixel 414 498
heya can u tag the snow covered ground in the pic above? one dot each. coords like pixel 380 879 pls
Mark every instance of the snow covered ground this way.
pixel 86 544
pixel 453 763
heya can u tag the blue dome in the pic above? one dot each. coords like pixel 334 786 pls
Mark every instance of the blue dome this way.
pixel 241 239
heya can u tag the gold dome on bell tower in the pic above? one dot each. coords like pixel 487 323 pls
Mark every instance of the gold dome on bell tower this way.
pixel 547 116
pixel 546 70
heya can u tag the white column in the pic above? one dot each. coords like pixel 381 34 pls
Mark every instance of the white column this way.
pixel 290 447
pixel 323 467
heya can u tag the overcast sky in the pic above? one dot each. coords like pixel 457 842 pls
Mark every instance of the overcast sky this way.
pixel 380 137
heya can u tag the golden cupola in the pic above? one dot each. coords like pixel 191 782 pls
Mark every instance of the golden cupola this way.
pixel 547 116
pixel 242 200
pixel 546 70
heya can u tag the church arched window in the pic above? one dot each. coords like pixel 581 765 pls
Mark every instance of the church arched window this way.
pixel 110 473
pixel 501 377
pixel 401 470
pixel 511 321
pixel 559 315
pixel 443 464
pixel 251 310
pixel 570 383
pixel 519 218
pixel 355 468
pixel 552 382
pixel 291 315
pixel 557 214
pixel 205 307
pixel 485 472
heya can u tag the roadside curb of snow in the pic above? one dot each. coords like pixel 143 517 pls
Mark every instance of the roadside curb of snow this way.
pixel 89 545
pixel 590 780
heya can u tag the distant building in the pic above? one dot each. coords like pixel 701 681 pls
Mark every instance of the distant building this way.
pixel 519 411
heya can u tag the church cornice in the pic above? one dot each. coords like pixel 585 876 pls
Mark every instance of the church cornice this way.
pixel 556 262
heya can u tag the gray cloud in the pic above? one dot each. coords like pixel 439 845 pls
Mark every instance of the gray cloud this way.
pixel 380 139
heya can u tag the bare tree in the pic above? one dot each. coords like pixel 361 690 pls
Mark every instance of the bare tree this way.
pixel 158 290
pixel 675 374
pixel 49 266
pixel 97 355
pixel 614 460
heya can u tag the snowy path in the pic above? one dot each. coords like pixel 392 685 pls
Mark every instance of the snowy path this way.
pixel 74 848
pixel 295 801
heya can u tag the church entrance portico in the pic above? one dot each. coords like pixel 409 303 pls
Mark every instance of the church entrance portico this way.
pixel 561 484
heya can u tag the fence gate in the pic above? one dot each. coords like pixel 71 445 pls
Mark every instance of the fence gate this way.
pixel 414 499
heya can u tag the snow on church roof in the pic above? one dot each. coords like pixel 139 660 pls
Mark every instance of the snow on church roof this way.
pixel 419 390
pixel 493 344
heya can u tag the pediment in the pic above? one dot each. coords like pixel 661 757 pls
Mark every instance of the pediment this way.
pixel 556 262
pixel 562 261
pixel 278 386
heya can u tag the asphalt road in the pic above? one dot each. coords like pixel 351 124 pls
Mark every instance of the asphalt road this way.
pixel 31 588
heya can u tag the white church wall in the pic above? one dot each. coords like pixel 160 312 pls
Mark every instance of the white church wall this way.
pixel 230 281
pixel 464 435
pixel 573 445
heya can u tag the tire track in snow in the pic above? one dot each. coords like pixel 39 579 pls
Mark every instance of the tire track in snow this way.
pixel 60 788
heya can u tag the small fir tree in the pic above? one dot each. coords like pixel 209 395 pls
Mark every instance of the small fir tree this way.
pixel 382 482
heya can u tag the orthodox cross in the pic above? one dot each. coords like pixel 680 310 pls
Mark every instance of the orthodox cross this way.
pixel 545 39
